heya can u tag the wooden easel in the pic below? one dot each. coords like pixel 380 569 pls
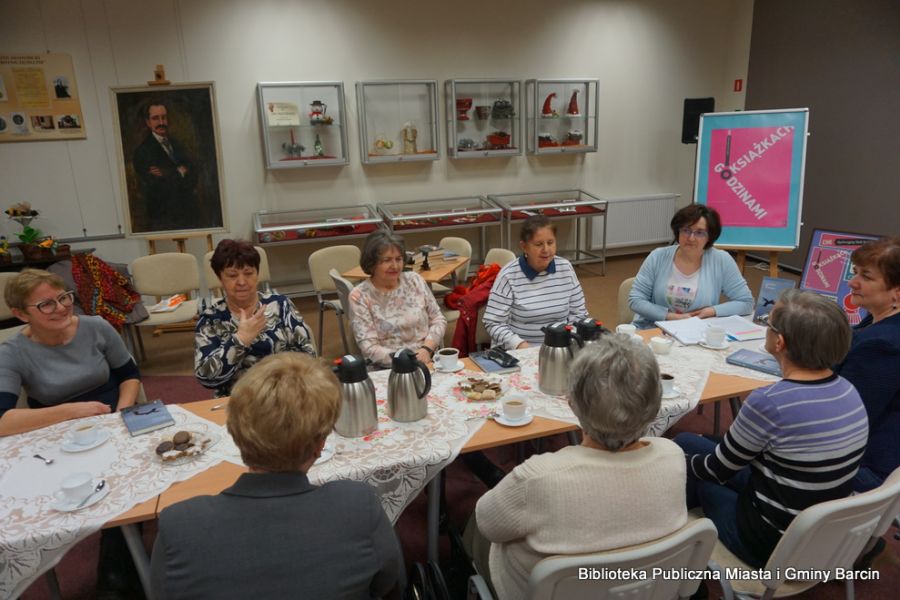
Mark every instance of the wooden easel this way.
pixel 180 244
pixel 741 256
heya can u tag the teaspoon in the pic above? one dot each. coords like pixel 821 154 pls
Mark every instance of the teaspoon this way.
pixel 97 488
pixel 47 461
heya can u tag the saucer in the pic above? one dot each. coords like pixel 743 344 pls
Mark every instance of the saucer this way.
pixel 70 446
pixel 459 366
pixel 63 504
pixel 675 393
pixel 528 418
pixel 327 453
pixel 724 345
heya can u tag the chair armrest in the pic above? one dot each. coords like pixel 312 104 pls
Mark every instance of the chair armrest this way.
pixel 478 589
pixel 331 305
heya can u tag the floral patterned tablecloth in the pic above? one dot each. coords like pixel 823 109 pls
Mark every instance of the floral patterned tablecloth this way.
pixel 34 536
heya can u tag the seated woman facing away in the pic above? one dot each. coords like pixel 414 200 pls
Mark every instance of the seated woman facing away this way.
pixel 245 325
pixel 273 534
pixel 873 363
pixel 69 366
pixel 795 443
pixel 393 309
pixel 616 489
pixel 537 289
pixel 686 279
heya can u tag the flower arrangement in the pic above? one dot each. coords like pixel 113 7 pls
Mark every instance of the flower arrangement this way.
pixel 23 214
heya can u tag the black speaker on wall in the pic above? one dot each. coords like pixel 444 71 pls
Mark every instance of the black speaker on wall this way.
pixel 690 123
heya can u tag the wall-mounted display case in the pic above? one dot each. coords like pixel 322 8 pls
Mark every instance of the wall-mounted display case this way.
pixel 398 121
pixel 561 115
pixel 302 124
pixel 484 117
pixel 312 225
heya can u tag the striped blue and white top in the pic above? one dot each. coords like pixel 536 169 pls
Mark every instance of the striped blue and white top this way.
pixel 520 305
pixel 803 441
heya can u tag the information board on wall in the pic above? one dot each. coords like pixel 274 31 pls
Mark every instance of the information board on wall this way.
pixel 750 168
pixel 39 98
pixel 828 270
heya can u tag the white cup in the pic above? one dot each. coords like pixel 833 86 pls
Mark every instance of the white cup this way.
pixel 715 336
pixel 83 434
pixel 514 408
pixel 626 328
pixel 661 345
pixel 668 384
pixel 77 487
pixel 447 358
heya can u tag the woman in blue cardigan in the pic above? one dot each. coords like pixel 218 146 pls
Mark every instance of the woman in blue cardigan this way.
pixel 687 279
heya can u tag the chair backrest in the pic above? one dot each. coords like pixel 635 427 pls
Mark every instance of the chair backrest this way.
pixel 212 282
pixel 165 274
pixel 624 313
pixel 343 287
pixel 832 534
pixel 558 577
pixel 5 312
pixel 462 247
pixel 342 258
pixel 501 256
pixel 894 510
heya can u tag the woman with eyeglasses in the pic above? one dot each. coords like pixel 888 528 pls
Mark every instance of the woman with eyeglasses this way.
pixel 687 279
pixel 393 309
pixel 69 366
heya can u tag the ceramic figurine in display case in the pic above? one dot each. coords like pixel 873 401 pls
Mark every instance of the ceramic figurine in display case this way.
pixel 495 128
pixel 556 125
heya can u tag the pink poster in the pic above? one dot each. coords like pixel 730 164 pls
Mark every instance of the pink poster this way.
pixel 750 175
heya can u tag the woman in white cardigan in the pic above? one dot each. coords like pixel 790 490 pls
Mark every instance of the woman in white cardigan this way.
pixel 616 489
pixel 687 279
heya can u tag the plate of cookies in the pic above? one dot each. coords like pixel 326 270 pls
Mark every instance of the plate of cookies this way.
pixel 481 388
pixel 184 446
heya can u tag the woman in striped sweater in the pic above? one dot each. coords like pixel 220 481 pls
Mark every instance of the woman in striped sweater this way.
pixel 795 443
pixel 537 289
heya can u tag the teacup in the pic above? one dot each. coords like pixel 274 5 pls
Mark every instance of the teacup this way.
pixel 661 345
pixel 514 408
pixel 83 434
pixel 446 358
pixel 77 487
pixel 715 336
pixel 626 328
pixel 668 384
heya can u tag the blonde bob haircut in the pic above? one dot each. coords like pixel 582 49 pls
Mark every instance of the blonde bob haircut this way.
pixel 282 409
pixel 19 288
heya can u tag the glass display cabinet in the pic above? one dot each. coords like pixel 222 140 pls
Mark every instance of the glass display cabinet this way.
pixel 302 124
pixel 312 225
pixel 576 205
pixel 443 214
pixel 398 121
pixel 561 115
pixel 484 117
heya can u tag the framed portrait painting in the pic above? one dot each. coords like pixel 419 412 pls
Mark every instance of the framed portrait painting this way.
pixel 169 160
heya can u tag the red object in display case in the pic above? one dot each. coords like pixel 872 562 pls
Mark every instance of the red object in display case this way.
pixel 297 226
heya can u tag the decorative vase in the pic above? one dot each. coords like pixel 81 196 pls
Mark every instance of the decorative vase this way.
pixel 33 252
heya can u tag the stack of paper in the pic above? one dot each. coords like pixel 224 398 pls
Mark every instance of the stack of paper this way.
pixel 687 331
pixel 693 330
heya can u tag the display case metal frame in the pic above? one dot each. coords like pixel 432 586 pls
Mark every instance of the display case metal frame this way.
pixel 265 231
pixel 301 161
pixel 589 118
pixel 560 205
pixel 365 144
pixel 516 123
pixel 392 215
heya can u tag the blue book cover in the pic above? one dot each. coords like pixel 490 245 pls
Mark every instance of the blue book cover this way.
pixel 757 361
pixel 769 292
pixel 489 366
pixel 144 418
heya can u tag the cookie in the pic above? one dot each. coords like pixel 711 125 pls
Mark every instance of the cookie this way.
pixel 164 447
pixel 182 437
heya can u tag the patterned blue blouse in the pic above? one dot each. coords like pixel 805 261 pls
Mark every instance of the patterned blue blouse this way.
pixel 220 358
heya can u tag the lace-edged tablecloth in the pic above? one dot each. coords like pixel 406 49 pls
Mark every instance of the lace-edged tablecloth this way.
pixel 34 536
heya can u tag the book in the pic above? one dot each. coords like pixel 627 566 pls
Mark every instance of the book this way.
pixel 757 361
pixel 738 328
pixel 489 366
pixel 144 418
pixel 169 304
pixel 770 290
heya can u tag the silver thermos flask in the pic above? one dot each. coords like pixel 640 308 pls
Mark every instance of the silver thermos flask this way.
pixel 359 414
pixel 590 330
pixel 554 357
pixel 408 387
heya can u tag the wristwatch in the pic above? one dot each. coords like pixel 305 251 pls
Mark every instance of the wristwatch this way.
pixel 427 349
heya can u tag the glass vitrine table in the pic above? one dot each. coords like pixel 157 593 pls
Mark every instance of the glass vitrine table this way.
pixel 314 225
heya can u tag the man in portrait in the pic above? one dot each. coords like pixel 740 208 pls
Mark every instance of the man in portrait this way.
pixel 167 177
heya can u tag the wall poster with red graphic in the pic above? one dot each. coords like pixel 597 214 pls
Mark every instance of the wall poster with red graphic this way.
pixel 750 168
pixel 828 270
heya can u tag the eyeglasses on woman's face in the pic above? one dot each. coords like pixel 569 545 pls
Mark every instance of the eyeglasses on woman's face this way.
pixel 700 234
pixel 48 307
pixel 766 321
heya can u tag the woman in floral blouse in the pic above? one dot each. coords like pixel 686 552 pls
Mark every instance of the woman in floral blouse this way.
pixel 240 329
pixel 393 309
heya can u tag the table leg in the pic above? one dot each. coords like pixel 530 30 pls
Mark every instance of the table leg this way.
pixel 139 555
pixel 434 516
pixel 717 417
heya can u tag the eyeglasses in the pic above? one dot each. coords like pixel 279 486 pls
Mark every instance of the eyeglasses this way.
pixel 47 307
pixel 766 321
pixel 700 234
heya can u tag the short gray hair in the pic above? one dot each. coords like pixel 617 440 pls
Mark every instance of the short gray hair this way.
pixel 614 390
pixel 376 243
pixel 815 329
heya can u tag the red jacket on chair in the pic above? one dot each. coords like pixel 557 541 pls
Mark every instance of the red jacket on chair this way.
pixel 467 301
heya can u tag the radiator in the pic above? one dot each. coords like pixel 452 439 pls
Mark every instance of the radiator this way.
pixel 636 220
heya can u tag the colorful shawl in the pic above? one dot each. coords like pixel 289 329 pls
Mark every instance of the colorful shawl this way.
pixel 102 290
